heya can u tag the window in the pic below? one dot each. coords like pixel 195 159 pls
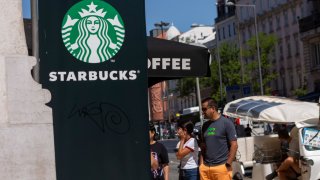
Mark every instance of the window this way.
pixel 234 29
pixel 292 81
pixel 299 77
pixel 273 56
pixel 219 34
pixel 297 42
pixel 278 22
pixel 224 36
pixel 263 26
pixel 280 50
pixel 294 15
pixel 229 29
pixel 261 6
pixel 289 49
pixel 270 25
pixel 243 37
pixel 302 11
pixel 277 82
pixel 316 54
pixel 285 14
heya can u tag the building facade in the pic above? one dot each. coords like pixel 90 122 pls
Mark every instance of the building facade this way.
pixel 309 24
pixel 278 17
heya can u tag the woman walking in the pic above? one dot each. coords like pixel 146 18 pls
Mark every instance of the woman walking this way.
pixel 188 152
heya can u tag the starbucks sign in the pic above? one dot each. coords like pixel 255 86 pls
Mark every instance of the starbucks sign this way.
pixel 93 31
pixel 93 61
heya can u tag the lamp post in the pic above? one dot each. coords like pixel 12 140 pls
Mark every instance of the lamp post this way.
pixel 161 24
pixel 219 63
pixel 229 3
pixel 169 99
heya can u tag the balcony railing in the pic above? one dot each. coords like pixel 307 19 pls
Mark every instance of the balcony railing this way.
pixel 224 16
pixel 309 22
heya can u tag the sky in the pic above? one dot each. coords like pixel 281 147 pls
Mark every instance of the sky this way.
pixel 26 9
pixel 182 13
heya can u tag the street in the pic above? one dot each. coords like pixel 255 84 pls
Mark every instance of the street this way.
pixel 174 172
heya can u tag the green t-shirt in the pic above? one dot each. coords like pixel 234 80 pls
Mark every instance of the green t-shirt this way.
pixel 217 135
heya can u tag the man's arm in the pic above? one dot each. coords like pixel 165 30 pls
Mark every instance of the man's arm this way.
pixel 232 152
pixel 166 171
pixel 201 160
pixel 232 138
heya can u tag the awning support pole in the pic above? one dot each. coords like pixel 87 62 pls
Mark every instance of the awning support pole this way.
pixel 199 101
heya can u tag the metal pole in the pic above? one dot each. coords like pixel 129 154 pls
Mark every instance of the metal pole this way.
pixel 257 39
pixel 219 64
pixel 240 48
pixel 168 101
pixel 149 110
pixel 265 125
pixel 35 38
pixel 258 49
pixel 319 114
pixel 161 31
pixel 199 101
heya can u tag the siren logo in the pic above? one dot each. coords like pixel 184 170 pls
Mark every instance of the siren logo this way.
pixel 93 31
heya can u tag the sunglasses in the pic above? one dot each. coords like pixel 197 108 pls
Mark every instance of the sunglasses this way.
pixel 205 109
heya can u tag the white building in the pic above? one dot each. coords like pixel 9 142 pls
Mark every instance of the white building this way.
pixel 197 34
pixel 173 33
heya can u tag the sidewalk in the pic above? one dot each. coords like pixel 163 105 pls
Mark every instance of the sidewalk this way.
pixel 173 164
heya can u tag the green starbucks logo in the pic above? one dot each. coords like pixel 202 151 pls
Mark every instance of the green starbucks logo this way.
pixel 93 31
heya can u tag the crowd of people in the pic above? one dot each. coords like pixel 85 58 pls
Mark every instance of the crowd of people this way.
pixel 207 158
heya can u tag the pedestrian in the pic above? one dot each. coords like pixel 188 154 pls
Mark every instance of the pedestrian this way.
pixel 240 130
pixel 188 152
pixel 219 144
pixel 159 170
pixel 248 130
pixel 289 167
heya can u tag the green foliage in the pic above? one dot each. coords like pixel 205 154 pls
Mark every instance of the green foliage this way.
pixel 267 45
pixel 231 68
pixel 186 86
pixel 230 64
pixel 300 92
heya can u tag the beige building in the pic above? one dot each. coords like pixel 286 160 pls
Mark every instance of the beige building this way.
pixel 309 23
pixel 279 17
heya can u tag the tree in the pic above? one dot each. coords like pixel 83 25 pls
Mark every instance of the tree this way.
pixel 230 64
pixel 186 86
pixel 230 70
pixel 267 45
